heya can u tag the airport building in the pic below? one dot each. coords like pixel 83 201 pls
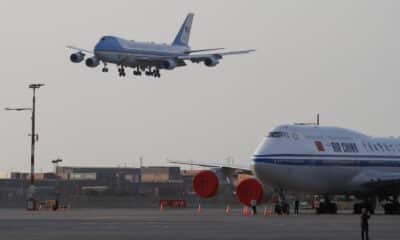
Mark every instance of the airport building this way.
pixel 106 187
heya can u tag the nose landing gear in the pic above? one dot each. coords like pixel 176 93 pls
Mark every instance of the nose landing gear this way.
pixel 104 69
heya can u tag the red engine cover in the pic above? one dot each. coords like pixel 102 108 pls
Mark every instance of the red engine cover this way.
pixel 249 189
pixel 205 184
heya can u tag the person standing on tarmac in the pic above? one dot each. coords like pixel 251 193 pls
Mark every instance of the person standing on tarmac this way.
pixel 253 204
pixel 364 224
pixel 296 206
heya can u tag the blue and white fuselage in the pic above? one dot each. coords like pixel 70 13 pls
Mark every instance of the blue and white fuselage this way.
pixel 131 53
pixel 325 160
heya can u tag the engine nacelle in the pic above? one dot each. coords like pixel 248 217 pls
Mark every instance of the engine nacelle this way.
pixel 92 62
pixel 169 64
pixel 205 184
pixel 77 57
pixel 211 62
pixel 248 190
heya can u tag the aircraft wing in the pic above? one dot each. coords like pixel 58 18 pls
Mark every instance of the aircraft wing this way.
pixel 203 50
pixel 202 57
pixel 240 168
pixel 79 49
pixel 378 181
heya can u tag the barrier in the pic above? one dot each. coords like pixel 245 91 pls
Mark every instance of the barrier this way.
pixel 175 203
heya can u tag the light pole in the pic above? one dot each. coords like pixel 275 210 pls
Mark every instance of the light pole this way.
pixel 32 205
pixel 33 86
pixel 56 162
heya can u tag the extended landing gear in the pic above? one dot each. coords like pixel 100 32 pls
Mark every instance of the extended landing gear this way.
pixel 392 207
pixel 368 203
pixel 155 73
pixel 326 207
pixel 137 72
pixel 121 71
pixel 104 69
pixel 282 207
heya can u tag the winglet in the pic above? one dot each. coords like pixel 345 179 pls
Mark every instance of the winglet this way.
pixel 183 36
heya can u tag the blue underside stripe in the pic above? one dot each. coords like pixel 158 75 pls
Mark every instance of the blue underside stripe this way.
pixel 328 162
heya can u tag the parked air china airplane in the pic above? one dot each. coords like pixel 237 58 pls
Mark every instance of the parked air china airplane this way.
pixel 147 56
pixel 319 160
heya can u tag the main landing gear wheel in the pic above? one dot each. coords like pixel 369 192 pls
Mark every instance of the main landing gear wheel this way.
pixel 121 72
pixel 327 207
pixel 155 73
pixel 393 206
pixel 282 208
pixel 137 72
pixel 368 203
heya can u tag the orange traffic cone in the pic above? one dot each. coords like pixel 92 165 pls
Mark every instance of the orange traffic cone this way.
pixel 271 211
pixel 199 209
pixel 161 207
pixel 265 211
pixel 228 209
pixel 245 211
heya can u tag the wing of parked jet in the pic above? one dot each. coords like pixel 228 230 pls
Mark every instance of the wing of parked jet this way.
pixel 240 168
pixel 79 49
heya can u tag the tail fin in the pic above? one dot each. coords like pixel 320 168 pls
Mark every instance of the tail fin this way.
pixel 182 38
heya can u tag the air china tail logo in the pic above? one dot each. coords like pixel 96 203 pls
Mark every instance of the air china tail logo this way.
pixel 319 146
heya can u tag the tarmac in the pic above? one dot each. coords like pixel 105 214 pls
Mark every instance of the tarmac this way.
pixel 101 224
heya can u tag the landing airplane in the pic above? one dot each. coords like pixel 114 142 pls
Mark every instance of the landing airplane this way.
pixel 319 160
pixel 147 56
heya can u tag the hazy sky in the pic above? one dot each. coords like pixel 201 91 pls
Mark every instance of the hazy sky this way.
pixel 338 58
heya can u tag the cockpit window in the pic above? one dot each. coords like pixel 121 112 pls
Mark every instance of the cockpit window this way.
pixel 278 134
pixel 103 38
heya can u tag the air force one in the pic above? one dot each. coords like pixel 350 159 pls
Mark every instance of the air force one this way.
pixel 149 57
pixel 319 160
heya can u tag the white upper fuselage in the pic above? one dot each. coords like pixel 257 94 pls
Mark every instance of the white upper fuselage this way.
pixel 317 159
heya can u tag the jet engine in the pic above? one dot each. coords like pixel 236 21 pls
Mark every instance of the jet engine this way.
pixel 77 57
pixel 205 184
pixel 211 61
pixel 169 64
pixel 248 190
pixel 92 62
